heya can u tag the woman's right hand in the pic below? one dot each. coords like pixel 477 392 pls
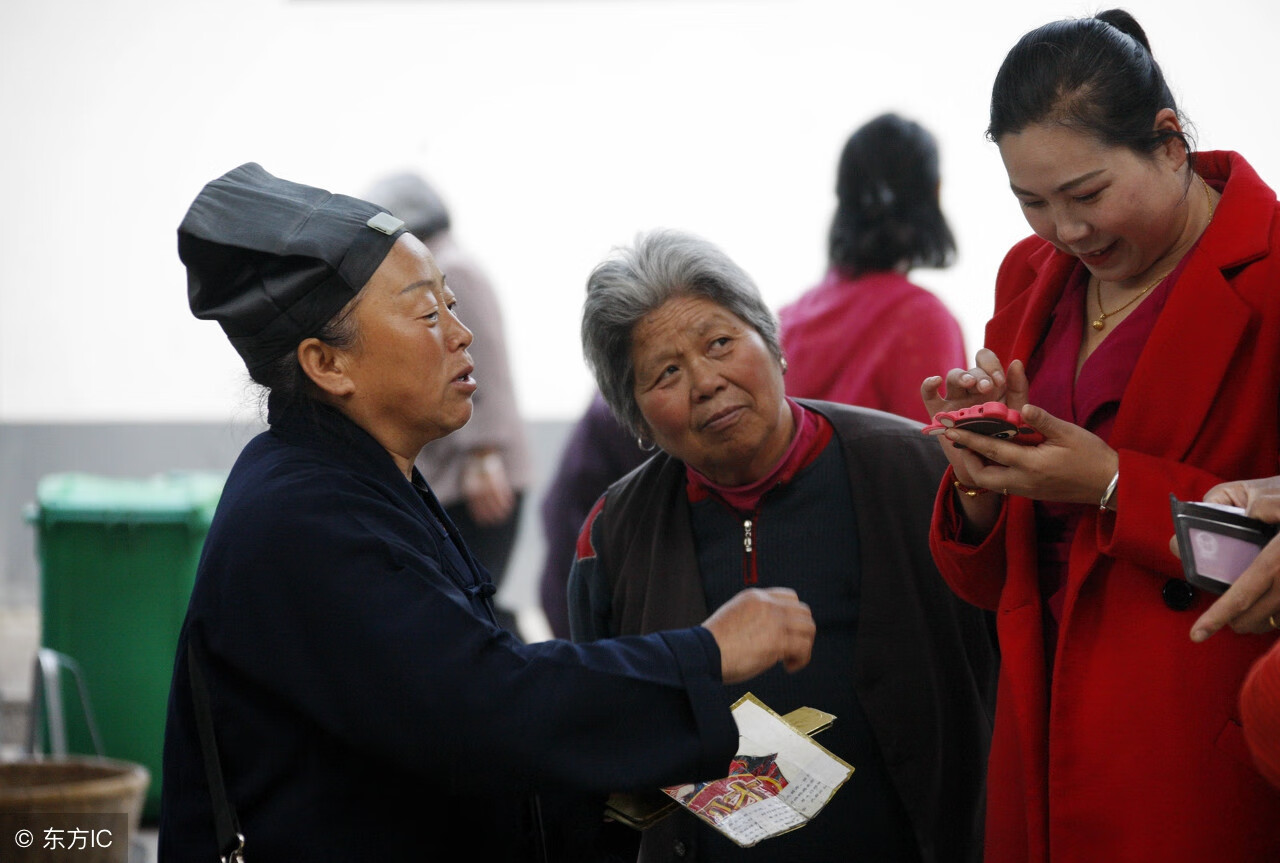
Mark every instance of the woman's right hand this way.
pixel 759 628
pixel 987 381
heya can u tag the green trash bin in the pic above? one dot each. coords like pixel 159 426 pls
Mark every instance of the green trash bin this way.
pixel 117 563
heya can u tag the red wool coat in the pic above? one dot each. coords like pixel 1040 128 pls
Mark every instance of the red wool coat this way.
pixel 1260 710
pixel 1137 753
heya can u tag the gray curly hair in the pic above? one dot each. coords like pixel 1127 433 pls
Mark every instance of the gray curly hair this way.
pixel 636 280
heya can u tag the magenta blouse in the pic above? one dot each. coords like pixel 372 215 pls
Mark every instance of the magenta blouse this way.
pixel 1090 400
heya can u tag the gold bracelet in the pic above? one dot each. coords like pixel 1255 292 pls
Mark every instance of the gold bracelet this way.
pixel 971 492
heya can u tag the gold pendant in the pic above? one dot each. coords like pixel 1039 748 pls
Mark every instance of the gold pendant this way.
pixel 1099 324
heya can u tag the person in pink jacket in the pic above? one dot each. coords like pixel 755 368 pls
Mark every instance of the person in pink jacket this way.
pixel 866 334
pixel 1139 332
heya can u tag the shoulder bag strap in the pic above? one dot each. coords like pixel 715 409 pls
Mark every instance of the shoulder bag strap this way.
pixel 227 825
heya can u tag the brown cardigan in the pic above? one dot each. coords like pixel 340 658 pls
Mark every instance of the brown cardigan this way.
pixel 927 661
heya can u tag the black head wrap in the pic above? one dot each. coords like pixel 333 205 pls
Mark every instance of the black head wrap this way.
pixel 273 261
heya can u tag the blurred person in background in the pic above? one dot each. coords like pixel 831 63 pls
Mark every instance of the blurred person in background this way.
pixel 480 472
pixel 599 450
pixel 867 335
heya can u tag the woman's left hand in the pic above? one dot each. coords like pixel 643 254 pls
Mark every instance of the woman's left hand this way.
pixel 1072 465
pixel 1252 604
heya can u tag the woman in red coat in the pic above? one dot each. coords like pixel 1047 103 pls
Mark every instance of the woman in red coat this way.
pixel 1141 332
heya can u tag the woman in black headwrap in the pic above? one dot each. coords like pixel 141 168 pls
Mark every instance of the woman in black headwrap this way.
pixel 362 702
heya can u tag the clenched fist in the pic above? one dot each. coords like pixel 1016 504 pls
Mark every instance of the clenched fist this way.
pixel 759 628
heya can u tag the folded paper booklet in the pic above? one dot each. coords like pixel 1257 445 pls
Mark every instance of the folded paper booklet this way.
pixel 779 780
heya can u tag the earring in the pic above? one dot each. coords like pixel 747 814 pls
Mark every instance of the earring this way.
pixel 650 448
pixel 784 365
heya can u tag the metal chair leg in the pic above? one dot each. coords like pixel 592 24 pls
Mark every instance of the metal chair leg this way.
pixel 46 703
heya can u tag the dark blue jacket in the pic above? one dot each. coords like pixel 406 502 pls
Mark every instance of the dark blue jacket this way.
pixel 367 707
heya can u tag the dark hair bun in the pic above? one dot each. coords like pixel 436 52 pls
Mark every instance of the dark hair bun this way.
pixel 1094 74
pixel 1125 23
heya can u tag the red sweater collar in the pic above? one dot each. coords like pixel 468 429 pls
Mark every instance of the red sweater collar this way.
pixel 813 433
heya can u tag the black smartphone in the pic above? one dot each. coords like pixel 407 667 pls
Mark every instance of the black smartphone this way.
pixel 1216 542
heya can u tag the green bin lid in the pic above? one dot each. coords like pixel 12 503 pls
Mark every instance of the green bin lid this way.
pixel 173 497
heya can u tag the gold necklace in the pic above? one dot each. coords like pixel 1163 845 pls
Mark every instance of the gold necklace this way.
pixel 1209 200
pixel 1101 321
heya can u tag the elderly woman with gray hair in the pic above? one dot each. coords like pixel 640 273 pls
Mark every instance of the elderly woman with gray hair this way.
pixel 751 488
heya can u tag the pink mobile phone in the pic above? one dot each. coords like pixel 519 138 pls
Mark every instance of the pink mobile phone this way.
pixel 992 418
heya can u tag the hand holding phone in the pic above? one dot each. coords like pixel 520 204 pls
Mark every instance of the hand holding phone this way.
pixel 994 419
pixel 1216 542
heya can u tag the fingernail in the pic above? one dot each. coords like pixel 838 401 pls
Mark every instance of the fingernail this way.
pixel 1199 635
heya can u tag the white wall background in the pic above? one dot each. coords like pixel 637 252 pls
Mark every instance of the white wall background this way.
pixel 555 130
